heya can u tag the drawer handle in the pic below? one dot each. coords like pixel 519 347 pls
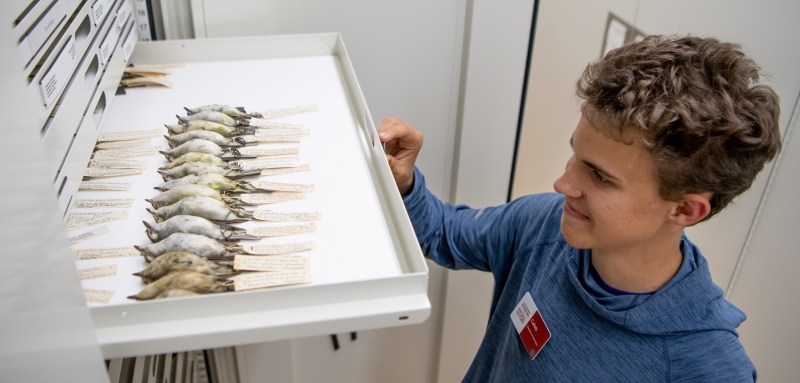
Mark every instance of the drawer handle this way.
pixel 97 115
pixel 91 73
pixel 83 32
pixel 61 188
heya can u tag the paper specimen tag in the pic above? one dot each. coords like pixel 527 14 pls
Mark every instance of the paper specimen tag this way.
pixel 266 163
pixel 97 272
pixel 102 203
pixel 279 171
pixel 98 296
pixel 281 135
pixel 262 152
pixel 100 172
pixel 91 234
pixel 124 144
pixel 286 187
pixel 530 326
pixel 280 248
pixel 143 81
pixel 258 263
pixel 105 252
pixel 265 198
pixel 275 231
pixel 274 216
pixel 118 163
pixel 270 279
pixel 278 113
pixel 265 124
pixel 98 185
pixel 128 153
pixel 80 220
pixel 132 135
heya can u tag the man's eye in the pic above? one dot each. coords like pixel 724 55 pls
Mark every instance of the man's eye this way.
pixel 599 176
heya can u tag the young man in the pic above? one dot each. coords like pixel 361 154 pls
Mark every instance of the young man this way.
pixel 672 130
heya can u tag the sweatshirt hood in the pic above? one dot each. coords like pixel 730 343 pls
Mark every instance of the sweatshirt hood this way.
pixel 688 302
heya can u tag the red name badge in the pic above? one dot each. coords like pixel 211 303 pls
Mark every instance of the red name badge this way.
pixel 530 326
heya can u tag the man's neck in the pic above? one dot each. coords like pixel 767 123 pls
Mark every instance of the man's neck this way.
pixel 639 269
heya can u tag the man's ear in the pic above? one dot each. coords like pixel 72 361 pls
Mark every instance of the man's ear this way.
pixel 692 209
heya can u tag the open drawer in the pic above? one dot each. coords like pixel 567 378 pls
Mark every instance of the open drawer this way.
pixel 368 271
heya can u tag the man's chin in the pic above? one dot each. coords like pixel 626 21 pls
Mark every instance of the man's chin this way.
pixel 573 239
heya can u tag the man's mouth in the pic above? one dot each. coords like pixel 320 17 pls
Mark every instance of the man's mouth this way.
pixel 572 212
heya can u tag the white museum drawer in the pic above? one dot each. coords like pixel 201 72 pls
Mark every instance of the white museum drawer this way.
pixel 368 271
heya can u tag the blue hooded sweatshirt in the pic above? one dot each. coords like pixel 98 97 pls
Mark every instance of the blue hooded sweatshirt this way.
pixel 684 332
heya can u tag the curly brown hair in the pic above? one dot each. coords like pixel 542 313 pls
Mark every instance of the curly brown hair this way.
pixel 696 105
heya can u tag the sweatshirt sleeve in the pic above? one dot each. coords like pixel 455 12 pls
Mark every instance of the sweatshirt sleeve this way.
pixel 459 237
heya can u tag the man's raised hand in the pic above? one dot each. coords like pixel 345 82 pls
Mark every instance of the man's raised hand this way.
pixel 402 147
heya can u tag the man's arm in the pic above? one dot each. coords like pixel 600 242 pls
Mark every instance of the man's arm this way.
pixel 453 236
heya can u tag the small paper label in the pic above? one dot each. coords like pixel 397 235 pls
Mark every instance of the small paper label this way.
pixel 279 171
pixel 105 252
pixel 280 248
pixel 128 153
pixel 145 142
pixel 276 231
pixel 281 135
pixel 99 10
pixel 98 296
pixel 266 198
pixel 100 172
pixel 262 152
pixel 257 263
pixel 80 220
pixel 129 43
pixel 91 234
pixel 530 326
pixel 97 272
pixel 266 163
pixel 59 73
pixel 286 187
pixel 265 124
pixel 120 163
pixel 109 43
pixel 98 185
pixel 271 279
pixel 124 12
pixel 102 203
pixel 278 113
pixel 131 135
pixel 274 216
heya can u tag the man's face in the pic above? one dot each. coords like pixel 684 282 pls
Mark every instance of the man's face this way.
pixel 611 191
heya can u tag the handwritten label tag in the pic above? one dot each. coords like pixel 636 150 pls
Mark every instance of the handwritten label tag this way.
pixel 98 296
pixel 280 248
pixel 124 144
pixel 257 263
pixel 91 234
pixel 271 279
pixel 276 231
pixel 530 326
pixel 98 272
pixel 80 220
pixel 279 171
pixel 262 152
pixel 130 135
pixel 281 135
pixel 102 203
pixel 105 252
pixel 266 163
pixel 278 113
pixel 265 124
pixel 100 172
pixel 285 187
pixel 99 185
pixel 274 216
pixel 128 153
pixel 121 163
pixel 266 198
